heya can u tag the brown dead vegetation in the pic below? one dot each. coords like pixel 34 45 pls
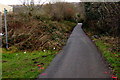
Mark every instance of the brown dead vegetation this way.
pixel 35 34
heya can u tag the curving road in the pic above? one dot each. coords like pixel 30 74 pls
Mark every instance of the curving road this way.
pixel 78 59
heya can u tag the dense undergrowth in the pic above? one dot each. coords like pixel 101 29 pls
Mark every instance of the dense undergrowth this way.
pixel 38 27
pixel 36 34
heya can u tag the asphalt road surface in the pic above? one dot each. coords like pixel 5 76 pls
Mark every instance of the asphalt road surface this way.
pixel 78 59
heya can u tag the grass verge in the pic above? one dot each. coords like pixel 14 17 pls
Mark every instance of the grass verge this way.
pixel 112 57
pixel 25 64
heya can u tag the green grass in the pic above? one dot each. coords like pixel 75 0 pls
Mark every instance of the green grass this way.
pixel 25 65
pixel 113 59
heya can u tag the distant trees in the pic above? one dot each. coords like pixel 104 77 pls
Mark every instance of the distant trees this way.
pixel 55 10
pixel 29 8
pixel 61 11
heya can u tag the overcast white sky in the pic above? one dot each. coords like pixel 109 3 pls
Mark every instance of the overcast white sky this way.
pixel 10 2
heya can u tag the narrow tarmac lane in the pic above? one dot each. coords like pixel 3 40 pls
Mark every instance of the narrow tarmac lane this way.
pixel 78 59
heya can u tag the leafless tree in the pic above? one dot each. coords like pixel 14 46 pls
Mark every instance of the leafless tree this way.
pixel 31 7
